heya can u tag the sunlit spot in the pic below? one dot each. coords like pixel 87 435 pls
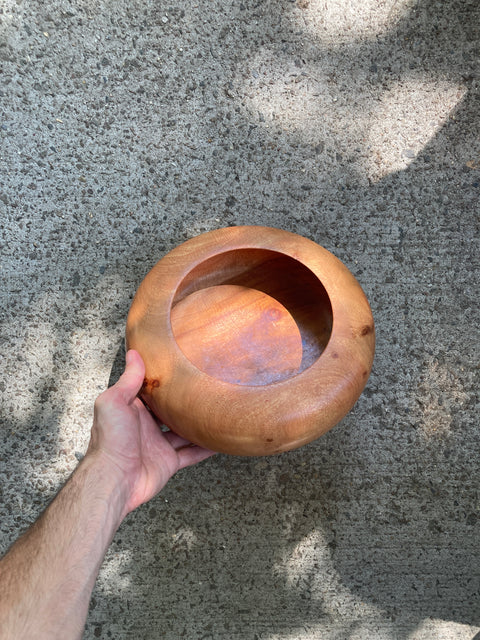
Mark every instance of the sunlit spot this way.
pixel 309 567
pixel 52 386
pixel 441 629
pixel 408 116
pixel 375 629
pixel 344 630
pixel 185 539
pixel 10 16
pixel 376 130
pixel 7 6
pixel 115 576
pixel 93 347
pixel 35 360
pixel 341 21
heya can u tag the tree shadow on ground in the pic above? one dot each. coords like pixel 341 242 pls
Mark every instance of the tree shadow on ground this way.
pixel 374 526
pixel 378 526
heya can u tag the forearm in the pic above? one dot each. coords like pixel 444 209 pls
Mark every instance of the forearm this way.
pixel 47 577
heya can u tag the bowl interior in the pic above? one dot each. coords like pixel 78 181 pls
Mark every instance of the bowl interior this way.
pixel 251 316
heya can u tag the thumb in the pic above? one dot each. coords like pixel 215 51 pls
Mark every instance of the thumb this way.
pixel 131 380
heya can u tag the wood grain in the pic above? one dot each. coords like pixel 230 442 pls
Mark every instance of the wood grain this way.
pixel 238 334
pixel 320 297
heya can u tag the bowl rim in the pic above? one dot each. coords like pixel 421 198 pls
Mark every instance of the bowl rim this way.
pixel 328 388
pixel 240 248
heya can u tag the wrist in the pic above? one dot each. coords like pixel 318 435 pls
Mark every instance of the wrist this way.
pixel 109 483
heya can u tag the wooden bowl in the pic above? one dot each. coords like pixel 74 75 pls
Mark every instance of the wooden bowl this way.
pixel 255 340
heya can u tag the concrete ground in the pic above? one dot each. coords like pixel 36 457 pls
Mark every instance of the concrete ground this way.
pixel 127 127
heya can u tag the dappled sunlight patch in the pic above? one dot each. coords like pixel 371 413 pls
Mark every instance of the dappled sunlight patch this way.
pixel 34 345
pixel 442 630
pixel 407 117
pixel 378 630
pixel 116 573
pixel 304 101
pixel 93 346
pixel 374 130
pixel 309 569
pixel 63 363
pixel 7 10
pixel 337 21
pixel 185 539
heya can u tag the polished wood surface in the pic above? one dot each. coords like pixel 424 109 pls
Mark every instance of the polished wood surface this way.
pixel 238 334
pixel 256 340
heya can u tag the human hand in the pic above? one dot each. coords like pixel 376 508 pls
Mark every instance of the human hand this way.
pixel 128 440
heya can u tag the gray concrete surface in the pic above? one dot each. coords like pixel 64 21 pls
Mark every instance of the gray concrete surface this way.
pixel 127 127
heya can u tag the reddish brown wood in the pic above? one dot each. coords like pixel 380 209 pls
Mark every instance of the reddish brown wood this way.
pixel 238 334
pixel 255 340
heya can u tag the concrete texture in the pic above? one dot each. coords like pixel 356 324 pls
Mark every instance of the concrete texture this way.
pixel 127 127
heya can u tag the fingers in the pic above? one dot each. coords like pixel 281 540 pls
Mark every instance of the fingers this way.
pixel 175 440
pixel 192 455
pixel 131 380
pixel 188 453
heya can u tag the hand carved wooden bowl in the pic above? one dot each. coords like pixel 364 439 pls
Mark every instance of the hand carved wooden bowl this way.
pixel 255 340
